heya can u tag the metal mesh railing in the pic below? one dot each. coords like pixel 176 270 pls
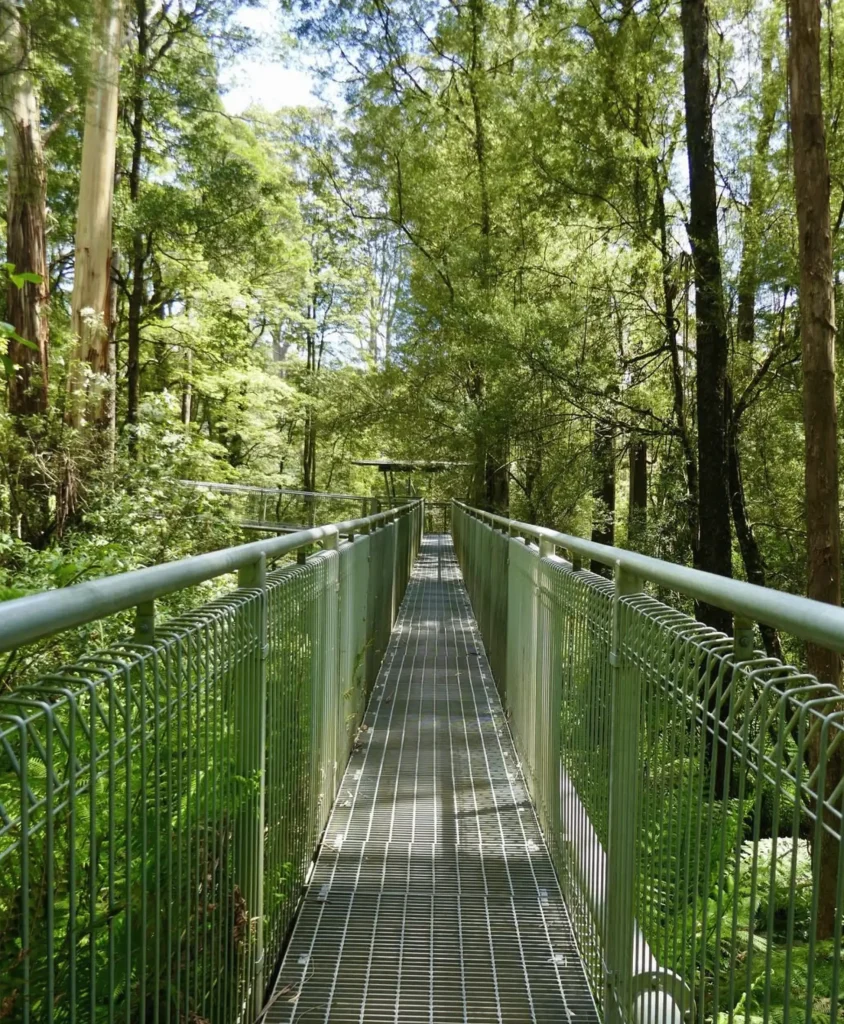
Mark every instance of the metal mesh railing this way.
pixel 691 789
pixel 160 801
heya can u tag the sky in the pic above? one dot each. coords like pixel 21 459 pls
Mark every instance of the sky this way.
pixel 267 78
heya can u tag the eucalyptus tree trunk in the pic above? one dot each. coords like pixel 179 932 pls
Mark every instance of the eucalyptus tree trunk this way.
pixel 90 301
pixel 140 245
pixel 26 216
pixel 714 542
pixel 817 334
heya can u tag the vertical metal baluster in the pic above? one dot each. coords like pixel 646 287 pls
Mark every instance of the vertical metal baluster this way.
pixel 251 710
pixel 624 776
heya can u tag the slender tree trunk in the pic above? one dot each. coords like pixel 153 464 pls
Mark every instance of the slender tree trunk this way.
pixel 26 216
pixel 111 396
pixel 637 519
pixel 90 301
pixel 139 244
pixel 668 295
pixel 753 221
pixel 603 488
pixel 751 553
pixel 496 461
pixel 309 441
pixel 714 543
pixel 817 334
pixel 187 387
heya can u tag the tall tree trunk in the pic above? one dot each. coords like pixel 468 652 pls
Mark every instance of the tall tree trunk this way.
pixel 748 279
pixel 26 216
pixel 603 488
pixel 714 544
pixel 817 333
pixel 496 460
pixel 309 441
pixel 669 290
pixel 139 244
pixel 90 301
pixel 637 518
pixel 26 248
pixel 748 282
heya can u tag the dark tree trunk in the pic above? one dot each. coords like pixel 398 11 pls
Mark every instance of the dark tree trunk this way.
pixel 817 333
pixel 669 290
pixel 714 543
pixel 637 519
pixel 497 480
pixel 139 245
pixel 309 439
pixel 603 488
pixel 751 554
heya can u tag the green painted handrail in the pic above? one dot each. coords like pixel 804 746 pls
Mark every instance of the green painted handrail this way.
pixel 810 620
pixel 26 619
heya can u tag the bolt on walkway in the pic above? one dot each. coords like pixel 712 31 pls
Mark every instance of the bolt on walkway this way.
pixel 433 897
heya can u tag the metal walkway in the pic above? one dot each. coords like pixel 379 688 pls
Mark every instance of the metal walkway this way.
pixel 433 897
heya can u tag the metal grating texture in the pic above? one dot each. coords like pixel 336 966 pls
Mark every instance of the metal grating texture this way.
pixel 433 897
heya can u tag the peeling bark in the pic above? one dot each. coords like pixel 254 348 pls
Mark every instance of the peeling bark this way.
pixel 26 215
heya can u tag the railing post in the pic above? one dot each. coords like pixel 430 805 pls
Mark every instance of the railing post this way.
pixel 251 738
pixel 145 623
pixel 549 710
pixel 743 639
pixel 623 803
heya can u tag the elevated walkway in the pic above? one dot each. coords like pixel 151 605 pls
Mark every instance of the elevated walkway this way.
pixel 433 897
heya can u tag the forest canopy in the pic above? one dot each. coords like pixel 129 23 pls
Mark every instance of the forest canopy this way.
pixel 567 246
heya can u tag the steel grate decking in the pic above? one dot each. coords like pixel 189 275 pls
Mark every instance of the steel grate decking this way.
pixel 433 897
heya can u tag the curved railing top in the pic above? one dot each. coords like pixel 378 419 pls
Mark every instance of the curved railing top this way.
pixel 810 620
pixel 26 619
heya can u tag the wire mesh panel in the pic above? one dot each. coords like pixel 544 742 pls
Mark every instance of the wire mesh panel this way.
pixel 160 802
pixel 691 792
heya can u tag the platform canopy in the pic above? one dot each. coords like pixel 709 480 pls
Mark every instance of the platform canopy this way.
pixel 409 466
pixel 391 466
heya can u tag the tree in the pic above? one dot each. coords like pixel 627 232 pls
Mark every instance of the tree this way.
pixel 91 305
pixel 713 546
pixel 26 216
pixel 817 335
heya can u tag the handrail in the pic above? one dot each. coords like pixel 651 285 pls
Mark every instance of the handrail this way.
pixel 287 491
pixel 803 617
pixel 27 619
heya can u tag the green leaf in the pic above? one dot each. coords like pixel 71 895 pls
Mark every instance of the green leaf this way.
pixel 24 341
